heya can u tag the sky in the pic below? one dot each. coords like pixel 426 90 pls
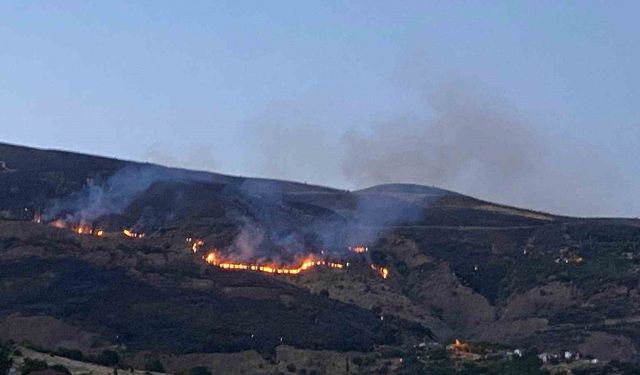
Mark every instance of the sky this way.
pixel 535 104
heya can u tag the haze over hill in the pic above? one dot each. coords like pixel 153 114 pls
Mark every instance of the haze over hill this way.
pixel 526 104
pixel 319 188
pixel 392 265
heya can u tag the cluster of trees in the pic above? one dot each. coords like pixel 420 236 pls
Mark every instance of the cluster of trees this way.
pixel 29 365
pixel 441 364
pixel 32 365
pixel 109 358
pixel 5 359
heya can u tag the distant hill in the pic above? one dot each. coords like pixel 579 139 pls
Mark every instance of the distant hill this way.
pixel 459 267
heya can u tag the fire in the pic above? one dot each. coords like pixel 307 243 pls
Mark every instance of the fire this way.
pixel 131 234
pixel 308 263
pixel 197 244
pixel 459 346
pixel 383 271
pixel 58 224
pixel 360 249
pixel 87 230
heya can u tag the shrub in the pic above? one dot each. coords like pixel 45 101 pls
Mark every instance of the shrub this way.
pixel 291 367
pixel 61 369
pixel 154 365
pixel 31 365
pixel 5 360
pixel 70 353
pixel 107 358
pixel 200 370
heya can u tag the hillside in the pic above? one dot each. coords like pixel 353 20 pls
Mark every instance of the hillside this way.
pixel 458 267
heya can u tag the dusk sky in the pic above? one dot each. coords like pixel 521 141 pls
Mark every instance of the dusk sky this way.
pixel 535 104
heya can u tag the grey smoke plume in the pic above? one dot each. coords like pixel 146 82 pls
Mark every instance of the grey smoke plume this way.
pixel 113 195
pixel 481 146
pixel 287 145
pixel 472 142
pixel 193 156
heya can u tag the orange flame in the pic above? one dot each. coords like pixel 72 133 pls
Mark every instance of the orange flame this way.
pixel 460 346
pixel 131 234
pixel 360 249
pixel 87 230
pixel 384 272
pixel 58 224
pixel 197 244
pixel 308 263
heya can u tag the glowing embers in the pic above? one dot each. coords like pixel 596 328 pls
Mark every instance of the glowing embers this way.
pixel 383 271
pixel 88 230
pixel 195 244
pixel 459 346
pixel 131 234
pixel 214 259
pixel 359 249
pixel 59 223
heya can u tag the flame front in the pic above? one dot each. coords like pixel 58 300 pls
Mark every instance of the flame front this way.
pixel 213 259
pixel 131 234
pixel 88 230
pixel 196 244
pixel 383 271
pixel 359 249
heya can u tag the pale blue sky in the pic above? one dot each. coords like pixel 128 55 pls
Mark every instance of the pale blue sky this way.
pixel 204 84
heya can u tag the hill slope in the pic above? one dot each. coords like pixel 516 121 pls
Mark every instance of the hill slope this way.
pixel 459 266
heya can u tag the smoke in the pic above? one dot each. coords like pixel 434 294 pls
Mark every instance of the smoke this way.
pixel 469 141
pixel 101 197
pixel 479 145
pixel 246 243
pixel 193 156
pixel 285 143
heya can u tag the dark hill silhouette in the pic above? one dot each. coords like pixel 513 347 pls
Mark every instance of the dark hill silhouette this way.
pixel 459 266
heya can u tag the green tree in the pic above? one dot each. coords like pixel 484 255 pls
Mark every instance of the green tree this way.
pixel 31 365
pixel 5 359
pixel 108 358
pixel 61 369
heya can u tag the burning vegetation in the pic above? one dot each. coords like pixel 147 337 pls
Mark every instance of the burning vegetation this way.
pixel 88 230
pixel 131 234
pixel 384 272
pixel 215 257
pixel 195 244
pixel 359 249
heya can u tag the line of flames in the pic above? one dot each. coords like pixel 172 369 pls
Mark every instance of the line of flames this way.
pixel 131 234
pixel 213 258
pixel 308 263
pixel 87 230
